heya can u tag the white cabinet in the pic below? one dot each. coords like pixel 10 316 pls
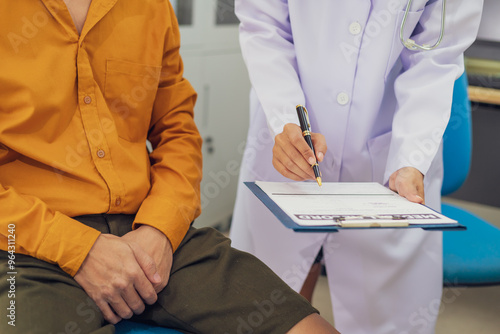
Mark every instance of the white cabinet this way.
pixel 214 66
pixel 490 28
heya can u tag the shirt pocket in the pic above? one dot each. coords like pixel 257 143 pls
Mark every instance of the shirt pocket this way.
pixel 397 46
pixel 130 91
pixel 378 148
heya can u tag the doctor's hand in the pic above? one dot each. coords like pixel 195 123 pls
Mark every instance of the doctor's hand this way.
pixel 409 183
pixel 292 157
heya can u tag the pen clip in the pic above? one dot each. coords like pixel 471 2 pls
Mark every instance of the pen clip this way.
pixel 307 118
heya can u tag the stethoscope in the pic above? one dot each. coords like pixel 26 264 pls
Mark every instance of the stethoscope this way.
pixel 409 43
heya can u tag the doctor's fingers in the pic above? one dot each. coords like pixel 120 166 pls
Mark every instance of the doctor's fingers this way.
pixel 319 143
pixel 412 193
pixel 291 148
pixel 290 163
pixel 408 182
pixel 286 172
pixel 292 134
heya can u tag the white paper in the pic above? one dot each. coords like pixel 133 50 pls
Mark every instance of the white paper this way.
pixel 307 204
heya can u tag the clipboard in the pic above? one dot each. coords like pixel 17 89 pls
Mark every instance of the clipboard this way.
pixel 288 222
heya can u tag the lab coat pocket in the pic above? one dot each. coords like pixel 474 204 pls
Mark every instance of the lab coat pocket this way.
pixel 397 46
pixel 378 148
pixel 130 91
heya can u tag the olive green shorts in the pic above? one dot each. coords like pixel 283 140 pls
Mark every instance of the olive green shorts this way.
pixel 213 289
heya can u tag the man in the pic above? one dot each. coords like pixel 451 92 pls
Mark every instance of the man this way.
pixel 381 110
pixel 83 85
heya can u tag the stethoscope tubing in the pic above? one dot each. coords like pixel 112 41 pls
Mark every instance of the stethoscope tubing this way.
pixel 410 44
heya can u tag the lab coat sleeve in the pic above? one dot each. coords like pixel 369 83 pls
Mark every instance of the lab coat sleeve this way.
pixel 424 88
pixel 269 53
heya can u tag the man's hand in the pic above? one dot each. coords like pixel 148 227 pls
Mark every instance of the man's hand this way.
pixel 292 157
pixel 409 183
pixel 118 278
pixel 154 243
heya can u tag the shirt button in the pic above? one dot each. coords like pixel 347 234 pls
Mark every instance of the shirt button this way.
pixel 87 99
pixel 355 28
pixel 101 153
pixel 118 201
pixel 343 99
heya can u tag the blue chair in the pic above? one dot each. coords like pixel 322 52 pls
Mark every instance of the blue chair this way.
pixel 130 327
pixel 471 257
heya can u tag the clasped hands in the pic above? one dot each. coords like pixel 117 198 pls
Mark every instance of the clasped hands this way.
pixel 293 158
pixel 121 274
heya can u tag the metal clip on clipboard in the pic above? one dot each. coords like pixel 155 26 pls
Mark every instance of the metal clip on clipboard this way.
pixel 372 221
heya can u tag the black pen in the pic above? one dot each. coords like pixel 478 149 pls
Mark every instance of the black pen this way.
pixel 305 126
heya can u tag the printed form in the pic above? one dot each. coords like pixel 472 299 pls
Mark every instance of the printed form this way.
pixel 348 204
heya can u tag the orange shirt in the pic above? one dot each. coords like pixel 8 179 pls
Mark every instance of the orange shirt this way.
pixel 75 113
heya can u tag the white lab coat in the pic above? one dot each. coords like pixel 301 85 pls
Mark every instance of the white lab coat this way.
pixel 381 108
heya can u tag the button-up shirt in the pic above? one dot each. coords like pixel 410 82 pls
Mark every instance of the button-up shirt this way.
pixel 75 113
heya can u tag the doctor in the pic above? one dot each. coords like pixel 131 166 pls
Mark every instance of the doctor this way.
pixel 379 112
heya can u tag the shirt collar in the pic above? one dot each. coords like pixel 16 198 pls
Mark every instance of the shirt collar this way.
pixel 98 9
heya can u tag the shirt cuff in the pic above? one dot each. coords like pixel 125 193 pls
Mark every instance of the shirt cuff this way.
pixel 67 243
pixel 171 219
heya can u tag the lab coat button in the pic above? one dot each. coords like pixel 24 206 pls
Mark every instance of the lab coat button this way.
pixel 355 28
pixel 343 99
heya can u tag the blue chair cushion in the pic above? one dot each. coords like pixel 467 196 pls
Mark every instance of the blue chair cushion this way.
pixel 457 139
pixel 130 327
pixel 470 257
